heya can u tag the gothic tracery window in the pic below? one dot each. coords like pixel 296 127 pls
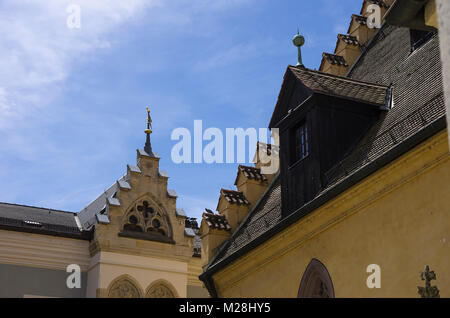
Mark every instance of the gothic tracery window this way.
pixel 124 288
pixel 144 217
pixel 160 291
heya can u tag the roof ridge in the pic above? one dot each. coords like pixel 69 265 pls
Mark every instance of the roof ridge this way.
pixel 344 78
pixel 37 207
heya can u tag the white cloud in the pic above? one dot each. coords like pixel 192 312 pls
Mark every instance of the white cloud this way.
pixel 38 49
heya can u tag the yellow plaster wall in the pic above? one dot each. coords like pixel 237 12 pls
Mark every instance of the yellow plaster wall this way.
pixel 397 218
pixel 431 15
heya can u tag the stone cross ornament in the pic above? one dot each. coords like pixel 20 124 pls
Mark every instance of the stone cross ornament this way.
pixel 428 291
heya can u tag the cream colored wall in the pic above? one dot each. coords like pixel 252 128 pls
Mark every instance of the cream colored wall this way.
pixel 194 271
pixel 397 218
pixel 144 270
pixel 42 251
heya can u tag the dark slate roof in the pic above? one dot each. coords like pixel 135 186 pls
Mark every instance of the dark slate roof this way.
pixel 264 216
pixel 87 215
pixel 334 59
pixel 352 40
pixel 251 173
pixel 415 105
pixel 216 221
pixel 40 220
pixel 341 86
pixel 235 197
pixel 418 112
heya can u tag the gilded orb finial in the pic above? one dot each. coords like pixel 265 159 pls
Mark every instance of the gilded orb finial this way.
pixel 299 41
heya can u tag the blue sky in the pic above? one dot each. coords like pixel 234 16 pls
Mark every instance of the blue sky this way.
pixel 72 101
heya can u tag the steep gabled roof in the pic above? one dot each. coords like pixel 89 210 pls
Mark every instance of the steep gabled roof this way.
pixel 333 85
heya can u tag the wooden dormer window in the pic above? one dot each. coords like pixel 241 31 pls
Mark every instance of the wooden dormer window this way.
pixel 301 143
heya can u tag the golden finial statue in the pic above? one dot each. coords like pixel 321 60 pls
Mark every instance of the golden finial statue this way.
pixel 148 131
pixel 149 122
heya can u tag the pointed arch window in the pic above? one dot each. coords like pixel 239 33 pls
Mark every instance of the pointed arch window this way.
pixel 316 282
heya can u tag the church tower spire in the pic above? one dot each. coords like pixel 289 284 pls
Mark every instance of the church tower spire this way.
pixel 148 131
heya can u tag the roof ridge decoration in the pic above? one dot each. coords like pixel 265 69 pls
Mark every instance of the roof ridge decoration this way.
pixel 234 197
pixel 359 18
pixel 251 173
pixel 349 39
pixel 216 221
pixel 335 59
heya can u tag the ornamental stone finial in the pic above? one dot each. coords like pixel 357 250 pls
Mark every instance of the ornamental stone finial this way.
pixel 428 291
pixel 148 131
pixel 299 41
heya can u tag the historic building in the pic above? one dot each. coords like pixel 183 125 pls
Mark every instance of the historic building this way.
pixel 360 205
pixel 131 241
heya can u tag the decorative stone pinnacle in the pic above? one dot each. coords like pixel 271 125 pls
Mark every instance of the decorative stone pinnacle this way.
pixel 148 131
pixel 428 291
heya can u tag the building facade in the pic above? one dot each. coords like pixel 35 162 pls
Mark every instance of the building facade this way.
pixel 360 205
pixel 131 241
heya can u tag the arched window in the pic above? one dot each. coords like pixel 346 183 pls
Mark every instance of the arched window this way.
pixel 316 282
pixel 160 289
pixel 147 220
pixel 124 287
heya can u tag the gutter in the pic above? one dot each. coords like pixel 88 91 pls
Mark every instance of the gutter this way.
pixel 430 130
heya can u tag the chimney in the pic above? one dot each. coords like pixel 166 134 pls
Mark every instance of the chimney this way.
pixel 251 183
pixel 333 64
pixel 234 206
pixel 214 231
